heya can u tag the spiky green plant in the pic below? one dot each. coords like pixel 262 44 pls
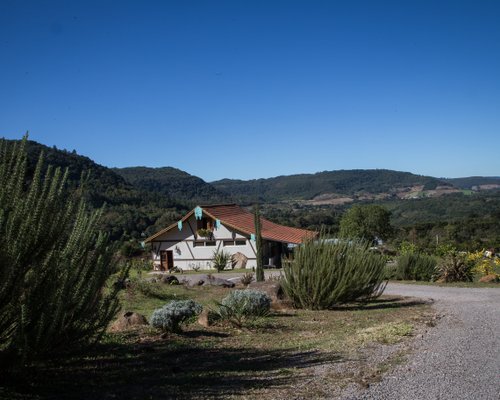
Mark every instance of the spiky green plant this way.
pixel 323 274
pixel 220 259
pixel 455 267
pixel 53 262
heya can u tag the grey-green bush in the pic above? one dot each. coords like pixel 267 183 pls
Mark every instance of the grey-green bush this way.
pixel 170 317
pixel 323 274
pixel 54 263
pixel 416 266
pixel 243 306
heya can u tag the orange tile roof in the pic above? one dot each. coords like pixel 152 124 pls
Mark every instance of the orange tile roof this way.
pixel 235 217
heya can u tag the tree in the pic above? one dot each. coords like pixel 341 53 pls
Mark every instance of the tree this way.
pixel 366 222
pixel 259 273
pixel 54 263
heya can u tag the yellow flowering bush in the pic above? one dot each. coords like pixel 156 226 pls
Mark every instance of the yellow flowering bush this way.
pixel 484 267
pixel 483 264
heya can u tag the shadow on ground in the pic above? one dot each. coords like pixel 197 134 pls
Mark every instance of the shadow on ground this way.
pixel 161 371
pixel 390 302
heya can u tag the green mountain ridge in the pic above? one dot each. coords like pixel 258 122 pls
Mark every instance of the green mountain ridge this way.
pixel 341 182
pixel 473 181
pixel 140 200
pixel 129 211
pixel 172 183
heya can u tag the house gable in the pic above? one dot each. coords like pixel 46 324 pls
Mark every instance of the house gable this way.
pixel 232 229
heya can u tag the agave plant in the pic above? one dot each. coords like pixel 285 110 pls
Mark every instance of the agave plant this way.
pixel 220 260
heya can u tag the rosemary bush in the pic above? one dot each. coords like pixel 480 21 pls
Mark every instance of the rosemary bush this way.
pixel 323 274
pixel 170 317
pixel 242 306
pixel 54 263
pixel 416 266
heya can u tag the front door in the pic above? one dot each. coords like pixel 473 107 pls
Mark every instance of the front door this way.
pixel 166 260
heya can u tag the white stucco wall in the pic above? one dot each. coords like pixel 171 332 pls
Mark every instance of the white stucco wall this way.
pixel 186 255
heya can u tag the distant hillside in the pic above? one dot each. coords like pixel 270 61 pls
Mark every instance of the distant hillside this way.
pixel 140 201
pixel 330 184
pixel 172 183
pixel 129 211
pixel 476 182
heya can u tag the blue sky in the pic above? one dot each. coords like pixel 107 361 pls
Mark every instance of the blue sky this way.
pixel 249 89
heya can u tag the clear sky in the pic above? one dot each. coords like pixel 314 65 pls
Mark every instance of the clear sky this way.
pixel 249 89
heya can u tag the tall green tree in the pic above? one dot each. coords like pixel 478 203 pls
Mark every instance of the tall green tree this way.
pixel 259 273
pixel 54 263
pixel 366 222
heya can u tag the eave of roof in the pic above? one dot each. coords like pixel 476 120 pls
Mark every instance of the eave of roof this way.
pixel 238 219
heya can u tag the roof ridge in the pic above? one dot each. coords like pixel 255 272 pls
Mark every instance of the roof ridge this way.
pixel 218 205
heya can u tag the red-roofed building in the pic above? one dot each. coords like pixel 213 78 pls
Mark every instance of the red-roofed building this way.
pixel 190 243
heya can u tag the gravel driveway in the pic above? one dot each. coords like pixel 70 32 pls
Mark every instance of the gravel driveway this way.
pixel 457 359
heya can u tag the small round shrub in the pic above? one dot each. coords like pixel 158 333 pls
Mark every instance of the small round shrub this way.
pixel 172 315
pixel 241 306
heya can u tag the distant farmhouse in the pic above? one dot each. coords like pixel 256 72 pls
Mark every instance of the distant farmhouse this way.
pixel 190 243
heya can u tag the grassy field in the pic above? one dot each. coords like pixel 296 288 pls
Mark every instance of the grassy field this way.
pixel 291 353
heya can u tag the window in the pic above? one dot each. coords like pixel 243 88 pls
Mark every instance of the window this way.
pixel 205 223
pixel 235 242
pixel 210 243
pixel 198 244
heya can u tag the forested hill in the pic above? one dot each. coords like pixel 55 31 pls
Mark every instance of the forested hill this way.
pixel 342 183
pixel 129 211
pixel 475 182
pixel 173 183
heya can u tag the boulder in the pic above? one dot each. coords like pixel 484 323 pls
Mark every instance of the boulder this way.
pixel 239 261
pixel 272 288
pixel 279 300
pixel 210 280
pixel 122 283
pixel 170 279
pixel 489 278
pixel 128 320
pixel 208 318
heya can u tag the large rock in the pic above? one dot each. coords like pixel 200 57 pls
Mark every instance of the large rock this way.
pixel 239 261
pixel 272 288
pixel 128 320
pixel 170 279
pixel 489 278
pixel 122 283
pixel 275 291
pixel 207 318
pixel 210 280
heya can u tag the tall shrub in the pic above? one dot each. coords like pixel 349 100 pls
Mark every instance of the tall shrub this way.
pixel 416 266
pixel 259 272
pixel 53 262
pixel 323 274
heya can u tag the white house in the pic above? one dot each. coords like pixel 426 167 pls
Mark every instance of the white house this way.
pixel 190 243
